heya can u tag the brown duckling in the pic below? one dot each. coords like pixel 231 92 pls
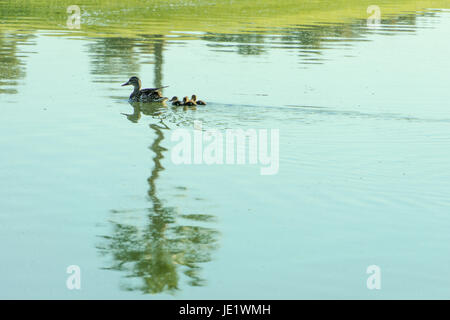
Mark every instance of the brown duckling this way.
pixel 175 101
pixel 199 102
pixel 187 102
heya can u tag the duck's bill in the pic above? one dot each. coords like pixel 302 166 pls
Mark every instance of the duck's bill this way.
pixel 126 83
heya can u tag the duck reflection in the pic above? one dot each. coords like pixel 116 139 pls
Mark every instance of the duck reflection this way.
pixel 156 252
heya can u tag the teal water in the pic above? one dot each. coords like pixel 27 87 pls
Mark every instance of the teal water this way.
pixel 87 179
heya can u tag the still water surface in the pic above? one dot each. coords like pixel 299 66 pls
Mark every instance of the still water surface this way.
pixel 87 179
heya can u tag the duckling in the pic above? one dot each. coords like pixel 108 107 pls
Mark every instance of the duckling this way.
pixel 199 102
pixel 187 102
pixel 175 101
pixel 144 95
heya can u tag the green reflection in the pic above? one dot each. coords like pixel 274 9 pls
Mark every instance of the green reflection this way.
pixel 308 40
pixel 11 60
pixel 113 56
pixel 162 248
pixel 123 34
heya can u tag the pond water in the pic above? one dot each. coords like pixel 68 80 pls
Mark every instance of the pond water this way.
pixel 87 179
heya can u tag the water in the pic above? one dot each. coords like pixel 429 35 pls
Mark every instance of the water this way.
pixel 87 179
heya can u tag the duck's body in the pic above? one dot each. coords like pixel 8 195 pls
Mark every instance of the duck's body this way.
pixel 144 95
pixel 176 102
pixel 199 102
pixel 148 95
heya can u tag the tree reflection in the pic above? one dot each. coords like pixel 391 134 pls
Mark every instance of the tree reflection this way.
pixel 11 61
pixel 113 56
pixel 309 40
pixel 246 43
pixel 157 251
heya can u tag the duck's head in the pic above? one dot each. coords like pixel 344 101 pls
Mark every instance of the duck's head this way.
pixel 175 98
pixel 185 99
pixel 194 98
pixel 134 81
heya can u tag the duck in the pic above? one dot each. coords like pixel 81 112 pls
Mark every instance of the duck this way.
pixel 187 102
pixel 144 95
pixel 199 102
pixel 175 101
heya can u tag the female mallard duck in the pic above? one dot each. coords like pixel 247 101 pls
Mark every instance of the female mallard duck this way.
pixel 199 102
pixel 175 101
pixel 187 102
pixel 144 95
